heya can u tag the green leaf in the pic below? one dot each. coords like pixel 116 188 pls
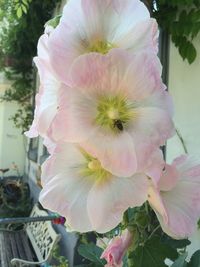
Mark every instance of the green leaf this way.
pixel 175 243
pixel 153 254
pixel 195 260
pixel 183 47
pixel 19 12
pixel 142 219
pixel 54 21
pixel 131 212
pixel 25 2
pixel 191 53
pixel 180 262
pixel 92 253
pixel 24 8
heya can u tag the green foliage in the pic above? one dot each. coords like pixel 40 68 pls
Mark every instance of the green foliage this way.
pixel 92 253
pixel 181 261
pixel 21 6
pixel 61 261
pixel 181 19
pixel 152 253
pixel 177 244
pixel 54 21
pixel 195 260
pixel 150 248
pixel 22 23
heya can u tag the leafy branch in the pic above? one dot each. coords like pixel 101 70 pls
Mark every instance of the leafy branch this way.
pixel 181 19
pixel 22 23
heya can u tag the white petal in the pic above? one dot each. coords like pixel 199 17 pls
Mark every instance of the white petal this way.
pixel 67 194
pixel 116 152
pixel 107 201
pixel 74 121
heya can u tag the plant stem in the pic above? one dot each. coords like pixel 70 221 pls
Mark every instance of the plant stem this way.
pixel 154 231
pixel 182 141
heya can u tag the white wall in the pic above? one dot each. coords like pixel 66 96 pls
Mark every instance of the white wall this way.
pixel 12 146
pixel 184 86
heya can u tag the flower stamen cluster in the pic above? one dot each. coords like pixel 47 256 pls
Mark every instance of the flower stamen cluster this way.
pixel 102 47
pixel 111 110
pixel 92 168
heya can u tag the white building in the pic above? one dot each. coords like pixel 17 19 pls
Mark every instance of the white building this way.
pixel 12 142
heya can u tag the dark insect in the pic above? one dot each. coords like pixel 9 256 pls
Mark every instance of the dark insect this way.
pixel 118 124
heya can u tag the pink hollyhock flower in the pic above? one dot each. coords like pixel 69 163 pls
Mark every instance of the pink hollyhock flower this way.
pixel 47 98
pixel 99 26
pixel 116 250
pixel 76 186
pixel 176 200
pixel 118 109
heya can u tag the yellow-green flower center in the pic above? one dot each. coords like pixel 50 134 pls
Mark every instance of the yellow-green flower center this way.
pixel 93 169
pixel 94 165
pixel 101 47
pixel 114 113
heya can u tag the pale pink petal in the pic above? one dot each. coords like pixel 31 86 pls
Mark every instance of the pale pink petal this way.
pixel 182 206
pixel 111 204
pixel 71 189
pixel 32 132
pixel 153 124
pixel 113 252
pixel 117 248
pixel 47 98
pixel 74 121
pixel 64 190
pixel 112 18
pixel 46 117
pixel 95 14
pixel 130 14
pixel 117 72
pixel 154 165
pixel 157 203
pixel 42 47
pixel 161 99
pixel 181 160
pixel 95 74
pixel 67 194
pixel 64 155
pixel 169 178
pixel 187 165
pixel 48 29
pixel 182 200
pixel 143 84
pixel 84 22
pixel 66 42
pixel 143 36
pixel 116 153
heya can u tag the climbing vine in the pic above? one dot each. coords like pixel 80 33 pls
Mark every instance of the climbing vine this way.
pixel 19 35
pixel 180 19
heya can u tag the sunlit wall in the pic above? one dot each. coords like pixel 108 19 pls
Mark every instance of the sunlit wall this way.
pixel 12 146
